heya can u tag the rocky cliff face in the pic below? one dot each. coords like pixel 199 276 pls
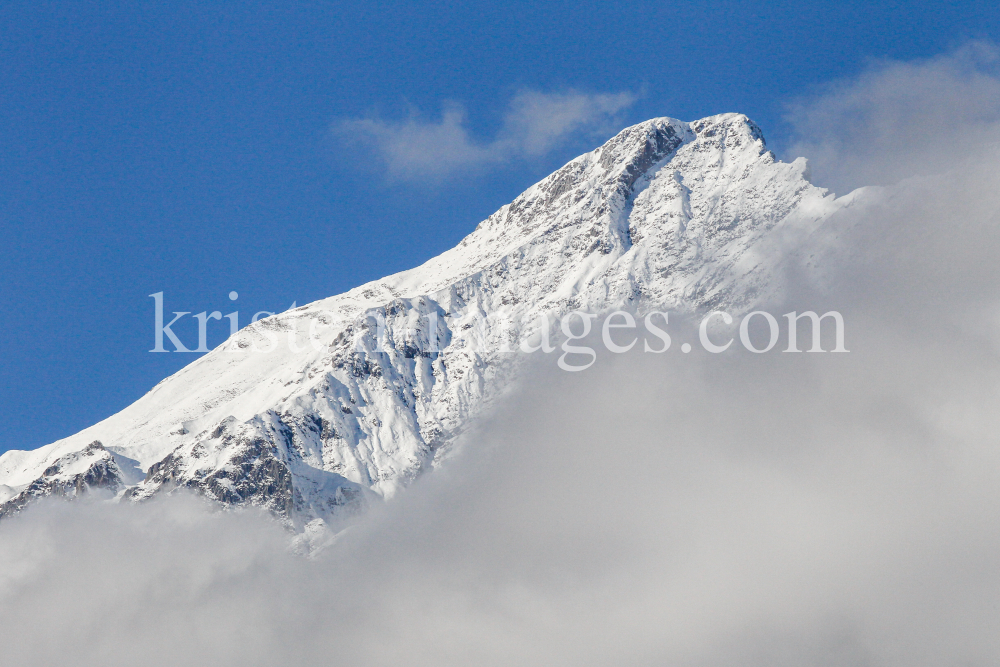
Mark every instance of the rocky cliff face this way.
pixel 78 473
pixel 313 412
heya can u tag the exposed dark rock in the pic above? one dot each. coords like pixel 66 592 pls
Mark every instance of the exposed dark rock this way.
pixel 101 473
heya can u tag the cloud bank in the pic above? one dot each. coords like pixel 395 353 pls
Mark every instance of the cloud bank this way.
pixel 693 510
pixel 534 124
pixel 900 119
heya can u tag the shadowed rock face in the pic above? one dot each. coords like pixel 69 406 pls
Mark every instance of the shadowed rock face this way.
pixel 260 459
pixel 253 477
pixel 77 474
pixel 312 412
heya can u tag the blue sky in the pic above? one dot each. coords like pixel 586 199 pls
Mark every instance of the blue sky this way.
pixel 292 151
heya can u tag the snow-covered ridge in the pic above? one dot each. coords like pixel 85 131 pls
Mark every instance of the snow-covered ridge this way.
pixel 666 214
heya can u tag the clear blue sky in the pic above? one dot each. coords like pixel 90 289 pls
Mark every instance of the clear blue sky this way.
pixel 187 147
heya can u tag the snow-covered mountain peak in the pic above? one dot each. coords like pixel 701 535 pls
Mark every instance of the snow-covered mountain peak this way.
pixel 311 411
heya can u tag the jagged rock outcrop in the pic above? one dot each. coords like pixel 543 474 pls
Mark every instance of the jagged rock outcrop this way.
pixel 78 473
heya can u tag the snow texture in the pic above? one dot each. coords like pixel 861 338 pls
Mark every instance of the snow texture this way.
pixel 314 412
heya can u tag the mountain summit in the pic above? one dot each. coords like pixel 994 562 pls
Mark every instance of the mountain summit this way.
pixel 311 412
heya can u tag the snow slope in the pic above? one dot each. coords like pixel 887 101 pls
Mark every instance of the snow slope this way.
pixel 311 412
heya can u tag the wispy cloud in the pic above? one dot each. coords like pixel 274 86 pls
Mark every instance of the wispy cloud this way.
pixel 900 119
pixel 534 124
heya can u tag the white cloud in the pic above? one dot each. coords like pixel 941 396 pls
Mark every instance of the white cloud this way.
pixel 900 119
pixel 535 124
